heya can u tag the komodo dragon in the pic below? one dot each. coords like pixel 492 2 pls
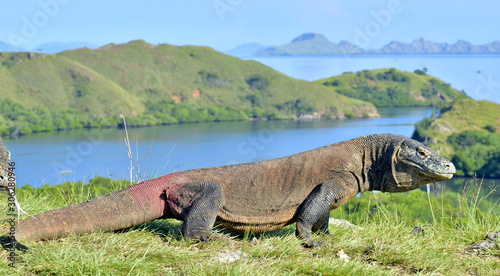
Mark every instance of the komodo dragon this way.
pixel 255 197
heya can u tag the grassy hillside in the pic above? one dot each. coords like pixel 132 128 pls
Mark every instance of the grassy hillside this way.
pixel 36 80
pixel 386 245
pixel 204 76
pixel 467 132
pixel 393 88
pixel 153 85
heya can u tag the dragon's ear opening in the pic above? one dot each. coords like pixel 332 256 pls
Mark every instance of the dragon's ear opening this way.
pixel 394 161
pixel 390 181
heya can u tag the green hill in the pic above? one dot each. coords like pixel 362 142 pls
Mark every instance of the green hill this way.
pixel 36 80
pixel 206 77
pixel 468 133
pixel 393 88
pixel 152 85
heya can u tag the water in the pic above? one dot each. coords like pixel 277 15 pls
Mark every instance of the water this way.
pixel 477 75
pixel 51 158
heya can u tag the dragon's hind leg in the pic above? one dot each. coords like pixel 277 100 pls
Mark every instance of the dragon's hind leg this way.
pixel 314 213
pixel 321 226
pixel 201 201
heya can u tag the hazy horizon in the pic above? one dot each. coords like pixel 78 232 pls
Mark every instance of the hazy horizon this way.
pixel 225 24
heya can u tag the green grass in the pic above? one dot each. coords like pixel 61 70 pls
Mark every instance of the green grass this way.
pixel 386 245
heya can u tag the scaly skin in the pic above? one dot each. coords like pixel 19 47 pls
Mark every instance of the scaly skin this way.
pixel 257 197
pixel 4 166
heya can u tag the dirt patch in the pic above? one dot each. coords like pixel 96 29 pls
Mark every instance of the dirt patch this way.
pixel 178 98
pixel 420 98
pixel 197 94
pixel 443 127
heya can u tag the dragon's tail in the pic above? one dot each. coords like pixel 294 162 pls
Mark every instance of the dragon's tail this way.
pixel 118 210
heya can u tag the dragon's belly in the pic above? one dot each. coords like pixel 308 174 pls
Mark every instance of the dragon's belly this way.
pixel 257 224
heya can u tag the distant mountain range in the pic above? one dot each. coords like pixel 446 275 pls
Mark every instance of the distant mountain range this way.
pixel 6 47
pixel 422 46
pixel 57 47
pixel 310 44
pixel 245 50
pixel 48 48
pixel 307 44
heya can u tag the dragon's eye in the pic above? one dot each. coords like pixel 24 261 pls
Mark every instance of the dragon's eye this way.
pixel 421 152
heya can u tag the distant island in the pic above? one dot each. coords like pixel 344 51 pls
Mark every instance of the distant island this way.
pixel 394 88
pixel 313 44
pixel 245 50
pixel 48 48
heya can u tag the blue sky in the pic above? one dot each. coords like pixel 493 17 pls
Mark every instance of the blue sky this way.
pixel 224 24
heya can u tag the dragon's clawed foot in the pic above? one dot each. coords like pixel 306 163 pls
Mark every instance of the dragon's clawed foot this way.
pixel 315 244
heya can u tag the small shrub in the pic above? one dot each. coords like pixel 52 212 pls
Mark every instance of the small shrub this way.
pixel 258 82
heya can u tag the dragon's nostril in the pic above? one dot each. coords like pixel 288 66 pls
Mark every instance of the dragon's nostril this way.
pixel 450 167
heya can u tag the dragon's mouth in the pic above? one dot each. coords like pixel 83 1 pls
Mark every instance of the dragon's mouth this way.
pixel 445 174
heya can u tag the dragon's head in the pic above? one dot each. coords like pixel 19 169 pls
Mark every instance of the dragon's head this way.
pixel 4 166
pixel 415 165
